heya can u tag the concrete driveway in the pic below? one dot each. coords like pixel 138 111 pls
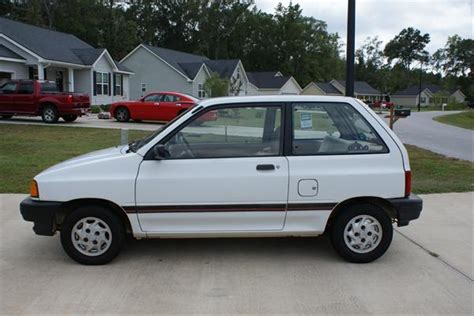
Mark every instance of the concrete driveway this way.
pixel 421 130
pixel 228 276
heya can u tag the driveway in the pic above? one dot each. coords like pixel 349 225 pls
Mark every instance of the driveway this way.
pixel 421 130
pixel 427 270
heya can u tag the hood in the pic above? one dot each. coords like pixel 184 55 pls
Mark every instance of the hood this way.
pixel 94 156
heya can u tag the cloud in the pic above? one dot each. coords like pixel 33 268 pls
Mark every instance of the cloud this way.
pixel 386 18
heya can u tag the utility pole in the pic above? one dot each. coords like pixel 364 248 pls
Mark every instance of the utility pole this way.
pixel 350 48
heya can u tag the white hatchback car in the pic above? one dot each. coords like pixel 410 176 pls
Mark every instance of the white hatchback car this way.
pixel 266 166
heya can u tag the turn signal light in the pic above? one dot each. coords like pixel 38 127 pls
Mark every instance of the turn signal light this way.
pixel 34 192
pixel 69 98
pixel 407 183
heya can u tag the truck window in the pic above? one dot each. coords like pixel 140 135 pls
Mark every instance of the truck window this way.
pixel 49 87
pixel 25 88
pixel 8 88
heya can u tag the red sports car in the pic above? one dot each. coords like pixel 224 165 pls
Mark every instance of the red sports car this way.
pixel 157 106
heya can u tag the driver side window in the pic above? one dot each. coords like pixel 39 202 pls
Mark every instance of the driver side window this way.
pixel 152 98
pixel 229 132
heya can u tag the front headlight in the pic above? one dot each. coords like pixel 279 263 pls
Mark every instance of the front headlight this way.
pixel 34 192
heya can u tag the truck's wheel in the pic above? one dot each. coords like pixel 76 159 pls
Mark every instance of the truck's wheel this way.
pixel 92 235
pixel 7 116
pixel 122 114
pixel 361 233
pixel 49 114
pixel 70 117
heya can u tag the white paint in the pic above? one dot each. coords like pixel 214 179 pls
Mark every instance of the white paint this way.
pixel 70 79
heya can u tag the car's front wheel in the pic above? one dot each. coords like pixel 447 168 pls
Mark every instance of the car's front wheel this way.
pixel 361 233
pixel 122 114
pixel 92 235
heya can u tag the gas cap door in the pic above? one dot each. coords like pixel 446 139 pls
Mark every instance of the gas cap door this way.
pixel 308 187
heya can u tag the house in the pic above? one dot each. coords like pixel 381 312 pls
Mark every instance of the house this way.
pixel 430 94
pixel 31 52
pixel 272 82
pixel 362 90
pixel 158 69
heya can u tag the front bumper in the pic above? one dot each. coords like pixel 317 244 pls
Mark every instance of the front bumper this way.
pixel 42 214
pixel 407 209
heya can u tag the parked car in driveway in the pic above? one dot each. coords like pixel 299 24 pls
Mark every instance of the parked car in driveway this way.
pixel 157 106
pixel 278 166
pixel 41 98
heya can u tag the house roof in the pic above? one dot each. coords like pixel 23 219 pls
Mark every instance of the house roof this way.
pixel 46 43
pixel 224 67
pixel 8 53
pixel 183 62
pixel 267 79
pixel 361 87
pixel 328 88
pixel 415 89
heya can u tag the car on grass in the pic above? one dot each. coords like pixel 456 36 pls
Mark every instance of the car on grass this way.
pixel 267 166
pixel 41 98
pixel 157 106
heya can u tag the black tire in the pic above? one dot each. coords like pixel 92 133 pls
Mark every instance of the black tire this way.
pixel 114 224
pixel 338 235
pixel 122 114
pixel 70 117
pixel 5 117
pixel 49 114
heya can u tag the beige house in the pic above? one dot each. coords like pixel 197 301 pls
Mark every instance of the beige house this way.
pixel 430 94
pixel 271 82
pixel 362 90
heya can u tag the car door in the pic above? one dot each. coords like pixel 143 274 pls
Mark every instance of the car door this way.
pixel 336 154
pixel 223 175
pixel 6 101
pixel 147 107
pixel 24 97
pixel 169 107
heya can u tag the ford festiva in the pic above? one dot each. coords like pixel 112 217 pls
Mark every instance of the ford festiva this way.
pixel 41 98
pixel 267 166
pixel 157 106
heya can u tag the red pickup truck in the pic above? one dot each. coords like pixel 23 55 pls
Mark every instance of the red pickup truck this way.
pixel 41 98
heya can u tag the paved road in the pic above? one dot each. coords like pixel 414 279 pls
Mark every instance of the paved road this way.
pixel 421 130
pixel 224 276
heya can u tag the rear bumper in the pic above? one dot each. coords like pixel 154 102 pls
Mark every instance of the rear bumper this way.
pixel 407 209
pixel 79 111
pixel 42 214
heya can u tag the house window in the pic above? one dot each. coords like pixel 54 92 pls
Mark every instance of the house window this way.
pixel 143 87
pixel 201 92
pixel 102 83
pixel 423 99
pixel 117 84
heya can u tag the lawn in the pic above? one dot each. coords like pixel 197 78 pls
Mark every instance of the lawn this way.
pixel 27 150
pixel 463 119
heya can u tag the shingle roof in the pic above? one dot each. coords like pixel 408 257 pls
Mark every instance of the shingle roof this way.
pixel 361 87
pixel 8 53
pixel 224 67
pixel 122 67
pixel 88 55
pixel 267 79
pixel 46 43
pixel 328 88
pixel 177 59
pixel 415 89
pixel 190 69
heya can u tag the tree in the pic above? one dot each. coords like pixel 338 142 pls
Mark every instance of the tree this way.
pixel 369 61
pixel 408 46
pixel 457 56
pixel 215 86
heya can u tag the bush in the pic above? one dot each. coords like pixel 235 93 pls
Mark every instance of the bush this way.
pixel 100 108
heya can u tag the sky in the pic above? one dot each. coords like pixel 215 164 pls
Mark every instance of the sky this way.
pixel 386 18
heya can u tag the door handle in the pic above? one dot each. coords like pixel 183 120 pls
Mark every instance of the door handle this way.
pixel 265 167
pixel 157 103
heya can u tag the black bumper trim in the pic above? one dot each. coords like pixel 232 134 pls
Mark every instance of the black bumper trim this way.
pixel 41 213
pixel 407 209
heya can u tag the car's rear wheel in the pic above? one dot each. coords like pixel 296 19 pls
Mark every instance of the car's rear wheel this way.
pixel 70 117
pixel 7 116
pixel 49 114
pixel 122 114
pixel 92 235
pixel 361 233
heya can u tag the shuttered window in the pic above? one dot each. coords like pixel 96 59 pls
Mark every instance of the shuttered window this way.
pixel 102 84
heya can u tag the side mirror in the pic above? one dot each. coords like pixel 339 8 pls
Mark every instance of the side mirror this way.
pixel 160 152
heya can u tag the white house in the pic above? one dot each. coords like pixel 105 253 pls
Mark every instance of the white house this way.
pixel 31 52
pixel 271 82
pixel 162 69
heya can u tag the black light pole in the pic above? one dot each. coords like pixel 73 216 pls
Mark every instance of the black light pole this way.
pixel 419 87
pixel 350 48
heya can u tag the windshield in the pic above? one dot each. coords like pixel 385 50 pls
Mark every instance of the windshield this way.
pixel 137 144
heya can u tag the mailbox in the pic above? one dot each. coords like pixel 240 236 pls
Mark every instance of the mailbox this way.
pixel 402 112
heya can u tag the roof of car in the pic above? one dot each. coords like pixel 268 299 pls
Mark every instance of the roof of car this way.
pixel 273 99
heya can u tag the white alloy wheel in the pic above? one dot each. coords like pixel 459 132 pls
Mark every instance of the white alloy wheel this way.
pixel 363 233
pixel 91 236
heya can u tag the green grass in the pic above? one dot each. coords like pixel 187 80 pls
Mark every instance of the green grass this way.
pixel 449 107
pixel 463 119
pixel 27 150
pixel 434 173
